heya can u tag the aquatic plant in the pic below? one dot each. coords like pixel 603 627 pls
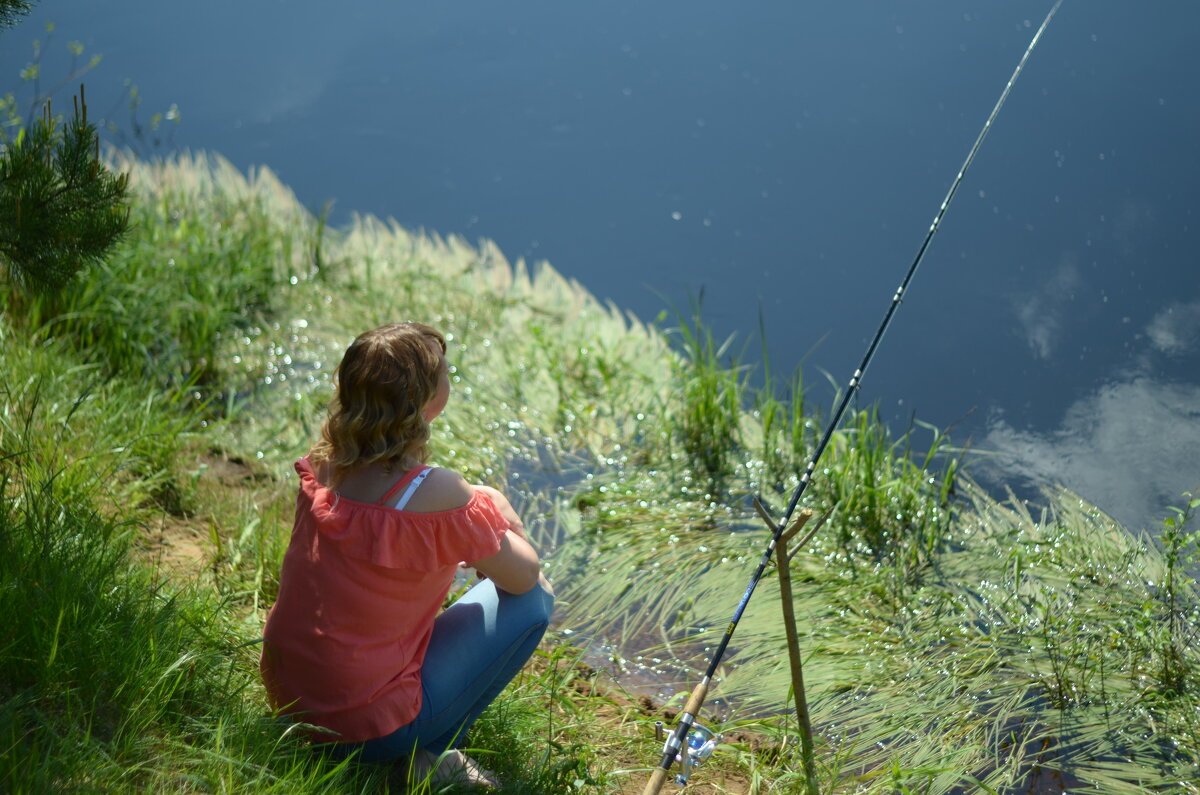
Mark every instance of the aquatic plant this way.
pixel 706 421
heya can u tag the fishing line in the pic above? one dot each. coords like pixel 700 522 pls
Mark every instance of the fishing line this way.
pixel 675 742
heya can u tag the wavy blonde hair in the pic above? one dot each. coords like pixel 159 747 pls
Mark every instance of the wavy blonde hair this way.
pixel 384 381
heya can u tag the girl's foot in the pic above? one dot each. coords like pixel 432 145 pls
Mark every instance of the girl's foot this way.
pixel 452 766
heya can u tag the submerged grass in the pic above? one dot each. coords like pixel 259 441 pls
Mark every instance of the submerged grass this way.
pixel 952 642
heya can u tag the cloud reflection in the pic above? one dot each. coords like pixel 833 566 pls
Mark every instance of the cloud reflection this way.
pixel 1176 329
pixel 1040 313
pixel 1132 448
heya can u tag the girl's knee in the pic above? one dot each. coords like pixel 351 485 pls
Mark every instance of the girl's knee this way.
pixel 531 609
pixel 541 603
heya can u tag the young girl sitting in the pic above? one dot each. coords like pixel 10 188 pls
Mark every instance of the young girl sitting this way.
pixel 355 643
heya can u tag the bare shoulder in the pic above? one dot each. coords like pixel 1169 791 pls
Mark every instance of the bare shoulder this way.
pixel 442 490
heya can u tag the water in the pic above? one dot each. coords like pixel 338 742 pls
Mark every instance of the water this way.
pixel 778 157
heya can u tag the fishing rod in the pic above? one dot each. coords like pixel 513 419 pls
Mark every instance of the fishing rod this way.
pixel 699 741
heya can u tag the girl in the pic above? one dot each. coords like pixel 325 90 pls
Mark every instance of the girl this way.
pixel 354 644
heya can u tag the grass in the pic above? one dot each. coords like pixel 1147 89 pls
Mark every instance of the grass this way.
pixel 952 641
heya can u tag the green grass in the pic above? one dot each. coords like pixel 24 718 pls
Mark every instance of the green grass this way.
pixel 951 640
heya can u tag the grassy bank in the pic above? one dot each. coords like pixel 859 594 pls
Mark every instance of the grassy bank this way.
pixel 151 414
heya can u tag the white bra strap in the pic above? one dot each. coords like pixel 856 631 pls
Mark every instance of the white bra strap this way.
pixel 412 487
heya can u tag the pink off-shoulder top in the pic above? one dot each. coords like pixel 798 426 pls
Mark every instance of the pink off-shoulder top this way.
pixel 360 587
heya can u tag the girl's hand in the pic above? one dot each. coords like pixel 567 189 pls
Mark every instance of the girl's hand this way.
pixel 467 567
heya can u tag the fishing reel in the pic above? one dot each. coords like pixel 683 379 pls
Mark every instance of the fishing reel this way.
pixel 701 742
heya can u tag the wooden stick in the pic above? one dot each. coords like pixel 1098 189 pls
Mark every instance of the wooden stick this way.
pixel 807 752
pixel 783 565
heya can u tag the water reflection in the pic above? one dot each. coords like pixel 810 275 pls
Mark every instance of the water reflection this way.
pixel 1131 446
pixel 1176 329
pixel 1041 312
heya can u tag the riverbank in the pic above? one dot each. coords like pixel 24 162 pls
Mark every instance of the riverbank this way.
pixel 153 410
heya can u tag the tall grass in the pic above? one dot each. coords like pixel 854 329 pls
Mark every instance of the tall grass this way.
pixel 98 661
pixel 162 304
pixel 894 503
pixel 58 424
pixel 707 418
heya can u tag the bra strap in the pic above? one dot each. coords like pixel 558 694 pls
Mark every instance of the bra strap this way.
pixel 412 487
pixel 405 479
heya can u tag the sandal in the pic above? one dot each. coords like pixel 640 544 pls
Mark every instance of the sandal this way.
pixel 451 767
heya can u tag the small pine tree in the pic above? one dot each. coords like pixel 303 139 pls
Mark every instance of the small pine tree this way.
pixel 60 208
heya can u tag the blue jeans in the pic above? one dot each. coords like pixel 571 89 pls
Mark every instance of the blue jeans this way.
pixel 479 644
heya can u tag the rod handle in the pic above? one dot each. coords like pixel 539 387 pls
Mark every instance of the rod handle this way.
pixel 694 703
pixel 657 779
pixel 696 700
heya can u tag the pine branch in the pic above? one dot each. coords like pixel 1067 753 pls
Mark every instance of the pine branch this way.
pixel 60 208
pixel 10 10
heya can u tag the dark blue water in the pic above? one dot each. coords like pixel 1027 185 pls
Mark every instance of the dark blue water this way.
pixel 775 155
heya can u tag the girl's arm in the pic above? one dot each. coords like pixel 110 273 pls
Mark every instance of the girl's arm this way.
pixel 515 568
pixel 517 528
